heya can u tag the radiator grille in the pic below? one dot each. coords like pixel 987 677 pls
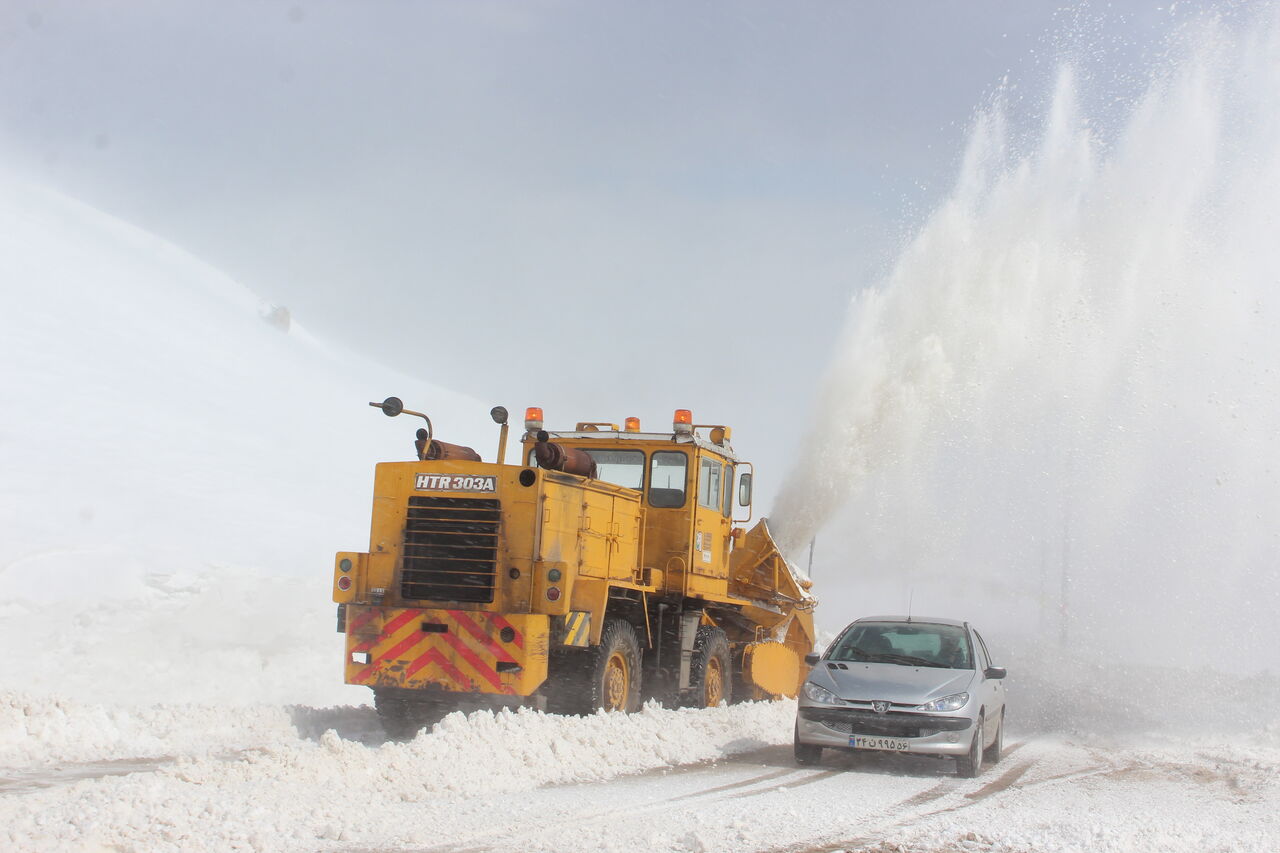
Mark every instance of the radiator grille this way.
pixel 892 724
pixel 450 549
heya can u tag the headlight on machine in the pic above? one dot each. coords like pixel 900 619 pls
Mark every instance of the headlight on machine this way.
pixel 954 702
pixel 814 693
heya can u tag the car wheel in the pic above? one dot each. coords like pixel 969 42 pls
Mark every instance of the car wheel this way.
pixel 806 753
pixel 968 766
pixel 991 755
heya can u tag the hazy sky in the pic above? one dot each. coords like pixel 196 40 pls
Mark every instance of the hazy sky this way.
pixel 604 208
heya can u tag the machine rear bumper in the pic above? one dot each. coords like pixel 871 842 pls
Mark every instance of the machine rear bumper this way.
pixel 459 651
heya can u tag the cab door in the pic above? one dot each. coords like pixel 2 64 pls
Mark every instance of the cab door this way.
pixel 711 523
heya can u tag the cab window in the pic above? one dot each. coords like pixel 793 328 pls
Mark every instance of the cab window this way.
pixel 668 472
pixel 727 501
pixel 620 467
pixel 710 483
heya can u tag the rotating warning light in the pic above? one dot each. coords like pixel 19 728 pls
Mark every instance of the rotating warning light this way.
pixel 533 418
pixel 683 421
pixel 632 425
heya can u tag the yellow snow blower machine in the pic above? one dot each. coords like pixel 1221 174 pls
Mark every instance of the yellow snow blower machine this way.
pixel 604 567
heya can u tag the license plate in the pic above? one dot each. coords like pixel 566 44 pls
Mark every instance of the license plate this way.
pixel 894 744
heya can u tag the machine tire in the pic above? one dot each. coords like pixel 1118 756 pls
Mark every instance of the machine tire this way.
pixel 604 677
pixel 807 754
pixel 402 716
pixel 991 755
pixel 711 670
pixel 969 765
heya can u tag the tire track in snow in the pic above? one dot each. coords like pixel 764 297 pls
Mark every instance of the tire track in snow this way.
pixel 502 839
pixel 910 805
pixel 14 783
pixel 29 781
pixel 735 785
pixel 819 776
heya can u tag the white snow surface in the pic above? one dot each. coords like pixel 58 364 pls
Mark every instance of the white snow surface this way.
pixel 177 468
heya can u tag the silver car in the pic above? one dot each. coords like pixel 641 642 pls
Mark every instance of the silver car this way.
pixel 904 684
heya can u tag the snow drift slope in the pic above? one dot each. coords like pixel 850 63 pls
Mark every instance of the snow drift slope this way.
pixel 157 431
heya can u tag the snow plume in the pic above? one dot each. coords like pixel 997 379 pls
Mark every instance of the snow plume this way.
pixel 1059 414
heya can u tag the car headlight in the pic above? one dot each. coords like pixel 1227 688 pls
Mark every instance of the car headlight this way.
pixel 815 693
pixel 954 702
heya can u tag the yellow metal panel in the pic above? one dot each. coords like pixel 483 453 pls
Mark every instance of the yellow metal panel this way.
pixel 592 595
pixel 577 628
pixel 593 530
pixel 459 652
pixel 542 583
pixel 773 667
pixel 358 565
pixel 626 539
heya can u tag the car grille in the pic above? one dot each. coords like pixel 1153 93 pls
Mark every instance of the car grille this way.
pixel 892 724
pixel 450 549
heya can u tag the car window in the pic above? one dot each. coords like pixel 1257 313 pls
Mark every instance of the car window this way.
pixel 905 643
pixel 982 650
pixel 983 661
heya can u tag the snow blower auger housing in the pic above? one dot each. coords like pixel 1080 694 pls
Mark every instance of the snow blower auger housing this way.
pixel 603 567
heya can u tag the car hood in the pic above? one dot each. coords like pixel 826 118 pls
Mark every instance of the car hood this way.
pixel 901 685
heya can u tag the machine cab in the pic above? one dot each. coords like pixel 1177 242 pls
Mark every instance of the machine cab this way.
pixel 686 477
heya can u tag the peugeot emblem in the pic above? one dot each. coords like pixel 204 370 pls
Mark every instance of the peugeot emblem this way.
pixel 880 706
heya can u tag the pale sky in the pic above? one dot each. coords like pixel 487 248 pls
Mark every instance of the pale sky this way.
pixel 603 208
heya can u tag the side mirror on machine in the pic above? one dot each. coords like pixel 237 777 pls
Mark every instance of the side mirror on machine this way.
pixel 744 490
pixel 391 406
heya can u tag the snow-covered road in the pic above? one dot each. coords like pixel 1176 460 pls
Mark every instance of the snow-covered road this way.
pixel 302 779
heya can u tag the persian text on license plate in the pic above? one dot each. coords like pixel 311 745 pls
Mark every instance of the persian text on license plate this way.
pixel 895 744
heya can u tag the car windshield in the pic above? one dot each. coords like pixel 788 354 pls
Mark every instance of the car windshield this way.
pixel 905 643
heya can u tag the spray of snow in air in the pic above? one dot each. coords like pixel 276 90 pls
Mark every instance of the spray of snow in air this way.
pixel 1060 411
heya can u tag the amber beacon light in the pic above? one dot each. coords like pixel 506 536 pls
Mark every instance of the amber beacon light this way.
pixel 683 421
pixel 533 417
pixel 632 424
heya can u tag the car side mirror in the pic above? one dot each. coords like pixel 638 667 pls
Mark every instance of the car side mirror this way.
pixel 812 658
pixel 995 672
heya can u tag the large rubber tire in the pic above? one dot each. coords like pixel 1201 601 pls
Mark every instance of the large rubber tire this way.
pixel 604 677
pixel 403 716
pixel 710 670
pixel 991 755
pixel 969 765
pixel 807 754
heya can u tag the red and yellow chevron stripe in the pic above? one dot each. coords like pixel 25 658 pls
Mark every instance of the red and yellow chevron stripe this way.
pixel 457 650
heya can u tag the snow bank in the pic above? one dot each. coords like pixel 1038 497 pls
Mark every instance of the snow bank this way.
pixel 487 752
pixel 219 635
pixel 253 779
pixel 40 730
